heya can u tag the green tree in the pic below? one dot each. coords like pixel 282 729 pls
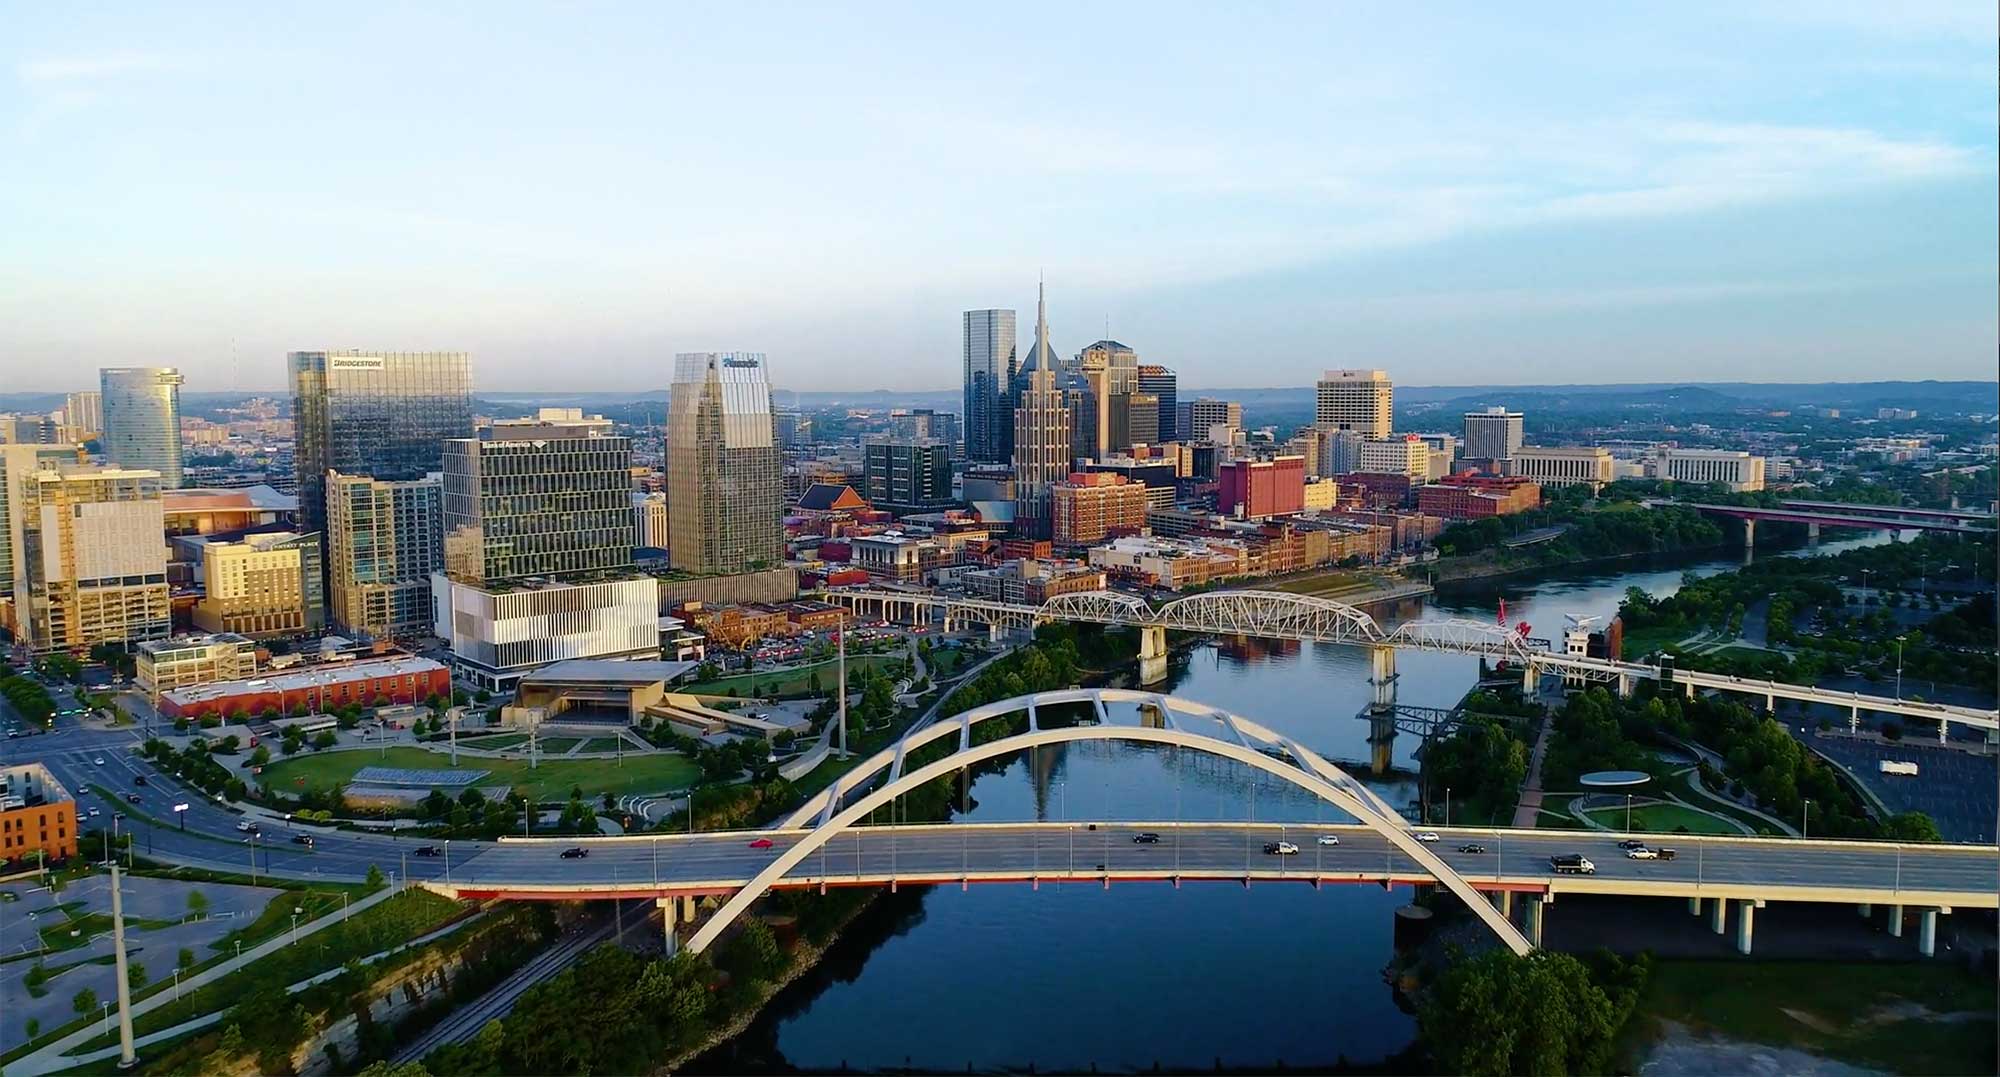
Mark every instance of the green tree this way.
pixel 84 1002
pixel 324 739
pixel 375 880
pixel 197 904
pixel 135 976
pixel 184 961
pixel 1911 826
pixel 34 1028
pixel 1499 1014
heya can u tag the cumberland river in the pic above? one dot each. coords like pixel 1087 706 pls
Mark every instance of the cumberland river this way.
pixel 1002 977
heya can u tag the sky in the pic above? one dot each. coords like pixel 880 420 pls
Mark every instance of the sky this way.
pixel 1460 194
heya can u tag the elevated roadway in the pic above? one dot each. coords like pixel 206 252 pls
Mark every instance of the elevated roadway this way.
pixel 1840 516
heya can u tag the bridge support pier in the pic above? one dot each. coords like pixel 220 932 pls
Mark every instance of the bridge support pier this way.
pixel 1694 906
pixel 1927 933
pixel 1533 914
pixel 1530 679
pixel 1853 720
pixel 1152 654
pixel 1895 921
pixel 1812 534
pixel 1718 916
pixel 1746 916
pixel 1503 900
pixel 994 633
pixel 1866 910
pixel 1382 674
pixel 1749 534
pixel 1625 685
pixel 669 917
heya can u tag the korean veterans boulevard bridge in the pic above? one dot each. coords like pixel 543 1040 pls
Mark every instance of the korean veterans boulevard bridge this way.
pixel 1280 615
pixel 828 844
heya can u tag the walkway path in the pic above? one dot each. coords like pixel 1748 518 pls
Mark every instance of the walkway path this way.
pixel 1531 793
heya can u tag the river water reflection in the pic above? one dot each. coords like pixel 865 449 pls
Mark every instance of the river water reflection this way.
pixel 1002 977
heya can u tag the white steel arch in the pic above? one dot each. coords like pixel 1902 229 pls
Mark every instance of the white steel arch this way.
pixel 1239 739
pixel 1274 614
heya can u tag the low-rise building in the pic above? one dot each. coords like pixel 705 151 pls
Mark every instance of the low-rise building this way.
pixel 1406 455
pixel 37 816
pixel 1255 489
pixel 1587 465
pixel 1476 497
pixel 896 556
pixel 166 664
pixel 1031 581
pixel 1740 471
pixel 1174 564
pixel 739 626
pixel 1087 507
pixel 501 631
pixel 325 687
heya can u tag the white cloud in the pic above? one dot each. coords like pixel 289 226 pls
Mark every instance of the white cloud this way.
pixel 68 70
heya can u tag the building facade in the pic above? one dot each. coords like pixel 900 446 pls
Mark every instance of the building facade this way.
pixel 384 540
pixel 907 475
pixel 37 817
pixel 95 558
pixel 1587 465
pixel 500 632
pixel 142 419
pixel 649 520
pixel 17 462
pixel 1407 455
pixel 163 665
pixel 537 498
pixel 1492 434
pixel 1042 433
pixel 385 415
pixel 369 682
pixel 1357 400
pixel 1255 489
pixel 1739 471
pixel 262 586
pixel 725 480
pixel 990 370
pixel 83 416
pixel 1196 419
pixel 1164 387
pixel 1476 497
pixel 1088 506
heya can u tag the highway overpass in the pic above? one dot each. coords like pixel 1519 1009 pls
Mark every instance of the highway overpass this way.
pixel 1818 514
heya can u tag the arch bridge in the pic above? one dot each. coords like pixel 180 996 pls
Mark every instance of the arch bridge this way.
pixel 1163 720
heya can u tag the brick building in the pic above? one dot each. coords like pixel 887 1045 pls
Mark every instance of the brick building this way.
pixel 36 814
pixel 324 687
pixel 1476 497
pixel 1088 507
pixel 1255 489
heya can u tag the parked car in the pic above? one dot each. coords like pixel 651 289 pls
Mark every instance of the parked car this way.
pixel 302 839
pixel 1281 848
pixel 575 852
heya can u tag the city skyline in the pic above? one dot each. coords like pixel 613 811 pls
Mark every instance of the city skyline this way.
pixel 1773 195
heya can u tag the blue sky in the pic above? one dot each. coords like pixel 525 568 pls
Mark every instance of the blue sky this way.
pixel 1247 194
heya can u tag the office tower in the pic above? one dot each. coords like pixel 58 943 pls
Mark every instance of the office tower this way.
pixel 537 497
pixel 384 540
pixel 1143 427
pixel 1340 452
pixel 92 564
pixel 262 586
pixel 1406 455
pixel 1492 434
pixel 907 474
pixel 649 520
pixel 538 549
pixel 28 430
pixel 17 462
pixel 1197 418
pixel 83 416
pixel 1111 371
pixel 990 372
pixel 794 430
pixel 1041 434
pixel 1164 385
pixel 1357 400
pixel 724 478
pixel 142 419
pixel 385 415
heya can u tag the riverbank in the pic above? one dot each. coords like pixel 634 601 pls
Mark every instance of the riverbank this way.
pixel 1502 564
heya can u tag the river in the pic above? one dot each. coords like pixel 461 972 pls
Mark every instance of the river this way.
pixel 1004 977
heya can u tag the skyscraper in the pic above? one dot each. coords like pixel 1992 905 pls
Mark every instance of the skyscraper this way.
pixel 907 474
pixel 1041 433
pixel 1197 417
pixel 83 416
pixel 17 462
pixel 92 566
pixel 1357 400
pixel 1111 370
pixel 142 419
pixel 1164 385
pixel 385 415
pixel 384 539
pixel 990 370
pixel 724 478
pixel 1492 434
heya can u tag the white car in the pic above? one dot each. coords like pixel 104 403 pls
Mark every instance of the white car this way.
pixel 1329 839
pixel 1280 848
pixel 99 761
pixel 1427 835
pixel 1642 853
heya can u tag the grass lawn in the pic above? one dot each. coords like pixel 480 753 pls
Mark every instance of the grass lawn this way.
pixel 652 773
pixel 1663 819
pixel 494 742
pixel 788 683
pixel 1904 1017
pixel 1682 785
pixel 600 744
pixel 1640 642
pixel 557 745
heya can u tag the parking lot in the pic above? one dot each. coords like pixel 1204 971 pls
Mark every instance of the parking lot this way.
pixel 1956 789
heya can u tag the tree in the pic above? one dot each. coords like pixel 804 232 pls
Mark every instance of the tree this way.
pixel 1544 1014
pixel 261 756
pixel 1911 826
pixel 324 739
pixel 184 961
pixel 84 1002
pixel 135 976
pixel 197 903
pixel 34 1028
pixel 375 879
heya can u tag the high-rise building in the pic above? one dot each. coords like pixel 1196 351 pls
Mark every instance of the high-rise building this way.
pixel 92 564
pixel 1197 418
pixel 1407 455
pixel 538 549
pixel 907 475
pixel 262 586
pixel 1143 428
pixel 1087 507
pixel 1041 433
pixel 385 415
pixel 649 520
pixel 28 430
pixel 142 419
pixel 990 372
pixel 1164 385
pixel 1111 373
pixel 1492 434
pixel 83 416
pixel 1254 489
pixel 384 540
pixel 1357 400
pixel 17 462
pixel 725 480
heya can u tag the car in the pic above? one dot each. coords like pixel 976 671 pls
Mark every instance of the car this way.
pixel 133 797
pixel 429 850
pixel 761 843
pixel 1281 848
pixel 94 813
pixel 1641 853
pixel 1630 844
pixel 1572 864
pixel 138 779
pixel 302 839
pixel 1472 847
pixel 1427 835
pixel 246 826
pixel 575 852
pixel 1147 838
pixel 1329 839
pixel 99 761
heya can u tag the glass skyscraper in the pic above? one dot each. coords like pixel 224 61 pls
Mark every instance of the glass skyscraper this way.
pixel 537 499
pixel 383 539
pixel 385 415
pixel 725 483
pixel 142 419
pixel 990 370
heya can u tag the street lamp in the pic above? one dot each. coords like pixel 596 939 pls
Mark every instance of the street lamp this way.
pixel 1628 815
pixel 1805 820
pixel 1447 806
pixel 1900 640
pixel 295 924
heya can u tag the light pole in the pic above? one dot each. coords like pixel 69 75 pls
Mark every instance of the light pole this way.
pixel 295 924
pixel 1899 665
pixel 1805 821
pixel 1447 807
pixel 1628 815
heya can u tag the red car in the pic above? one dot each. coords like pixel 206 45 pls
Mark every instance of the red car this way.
pixel 761 843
